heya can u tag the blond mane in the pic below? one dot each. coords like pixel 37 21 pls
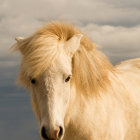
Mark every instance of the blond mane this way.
pixel 89 66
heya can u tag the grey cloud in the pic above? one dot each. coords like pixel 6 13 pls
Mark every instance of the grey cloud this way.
pixel 23 17
pixel 100 12
pixel 135 4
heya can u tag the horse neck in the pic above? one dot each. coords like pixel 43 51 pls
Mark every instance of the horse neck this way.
pixel 85 111
pixel 81 101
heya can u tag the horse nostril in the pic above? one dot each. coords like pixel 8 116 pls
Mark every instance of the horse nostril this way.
pixel 60 133
pixel 43 133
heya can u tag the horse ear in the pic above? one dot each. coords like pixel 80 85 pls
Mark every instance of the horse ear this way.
pixel 16 47
pixel 73 44
pixel 18 39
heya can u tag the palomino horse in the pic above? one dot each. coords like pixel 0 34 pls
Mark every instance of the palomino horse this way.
pixel 76 93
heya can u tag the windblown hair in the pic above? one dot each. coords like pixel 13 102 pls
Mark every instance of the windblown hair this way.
pixel 89 66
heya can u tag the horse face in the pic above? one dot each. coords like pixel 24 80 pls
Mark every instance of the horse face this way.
pixel 50 94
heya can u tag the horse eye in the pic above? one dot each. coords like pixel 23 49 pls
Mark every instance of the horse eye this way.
pixel 33 81
pixel 68 78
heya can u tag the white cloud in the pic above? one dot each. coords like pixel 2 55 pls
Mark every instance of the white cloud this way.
pixel 118 42
pixel 110 36
pixel 111 21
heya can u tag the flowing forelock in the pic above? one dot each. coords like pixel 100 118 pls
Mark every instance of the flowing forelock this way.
pixel 89 66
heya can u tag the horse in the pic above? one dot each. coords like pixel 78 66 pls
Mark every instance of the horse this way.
pixel 76 93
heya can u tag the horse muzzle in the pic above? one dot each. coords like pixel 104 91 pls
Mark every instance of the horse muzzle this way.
pixel 55 134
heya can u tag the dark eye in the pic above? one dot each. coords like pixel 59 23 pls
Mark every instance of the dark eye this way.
pixel 68 78
pixel 33 81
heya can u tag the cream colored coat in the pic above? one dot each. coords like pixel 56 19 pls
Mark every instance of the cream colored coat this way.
pixel 101 102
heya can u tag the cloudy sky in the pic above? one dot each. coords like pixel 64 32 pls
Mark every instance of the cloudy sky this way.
pixel 113 24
